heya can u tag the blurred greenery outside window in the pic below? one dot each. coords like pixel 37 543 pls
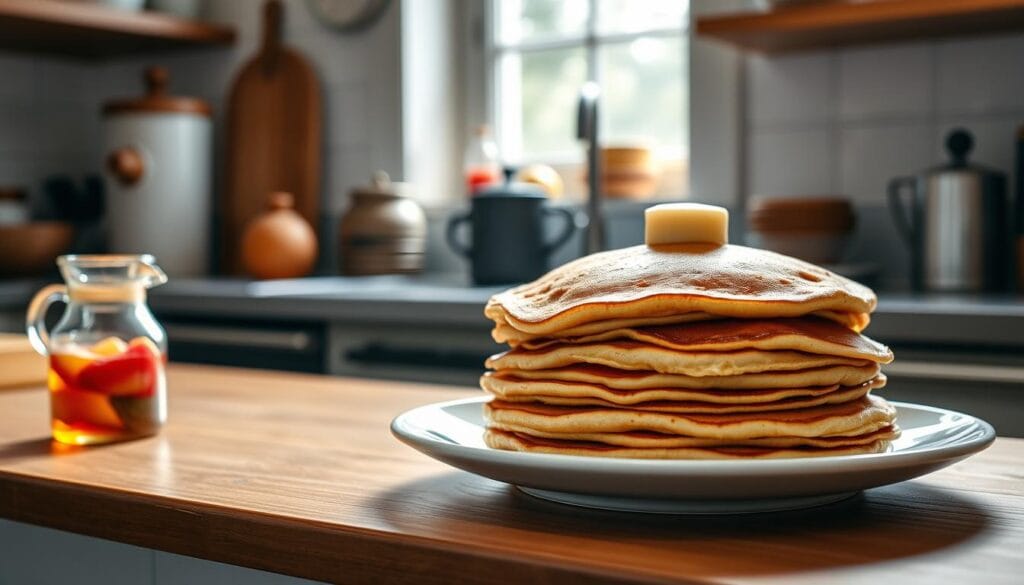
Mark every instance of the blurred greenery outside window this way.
pixel 542 51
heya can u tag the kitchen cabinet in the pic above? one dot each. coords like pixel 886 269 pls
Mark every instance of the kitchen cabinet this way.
pixel 29 551
pixel 298 475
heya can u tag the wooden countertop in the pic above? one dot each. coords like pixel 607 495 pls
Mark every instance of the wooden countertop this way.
pixel 299 474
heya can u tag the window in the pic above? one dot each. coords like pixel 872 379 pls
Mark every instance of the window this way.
pixel 542 51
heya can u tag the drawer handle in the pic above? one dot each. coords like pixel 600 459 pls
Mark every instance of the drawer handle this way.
pixel 241 337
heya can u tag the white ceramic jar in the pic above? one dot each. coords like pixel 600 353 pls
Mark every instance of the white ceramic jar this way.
pixel 158 151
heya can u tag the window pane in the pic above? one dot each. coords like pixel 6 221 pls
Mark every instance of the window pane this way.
pixel 537 101
pixel 618 16
pixel 529 20
pixel 643 93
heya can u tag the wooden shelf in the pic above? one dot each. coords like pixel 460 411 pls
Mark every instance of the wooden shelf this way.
pixel 90 31
pixel 836 24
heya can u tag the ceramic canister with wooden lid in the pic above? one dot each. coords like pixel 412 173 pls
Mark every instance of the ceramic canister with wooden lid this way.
pixel 383 231
pixel 158 164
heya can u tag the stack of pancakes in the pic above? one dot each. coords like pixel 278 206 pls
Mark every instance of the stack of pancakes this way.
pixel 687 351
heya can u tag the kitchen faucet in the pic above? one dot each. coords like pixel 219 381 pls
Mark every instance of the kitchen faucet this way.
pixel 586 129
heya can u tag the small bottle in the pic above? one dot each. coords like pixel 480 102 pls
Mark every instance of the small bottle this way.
pixel 480 163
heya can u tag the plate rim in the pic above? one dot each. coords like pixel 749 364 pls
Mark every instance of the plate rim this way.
pixel 722 467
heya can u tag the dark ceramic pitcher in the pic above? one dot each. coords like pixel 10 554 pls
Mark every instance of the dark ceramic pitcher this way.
pixel 508 243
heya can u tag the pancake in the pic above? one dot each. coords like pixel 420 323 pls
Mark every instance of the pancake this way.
pixel 841 394
pixel 646 439
pixel 633 355
pixel 497 439
pixel 864 415
pixel 505 333
pixel 844 395
pixel 660 281
pixel 806 334
pixel 645 379
pixel 514 390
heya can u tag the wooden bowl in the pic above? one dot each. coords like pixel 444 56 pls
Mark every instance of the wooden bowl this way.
pixel 628 172
pixel 805 214
pixel 30 249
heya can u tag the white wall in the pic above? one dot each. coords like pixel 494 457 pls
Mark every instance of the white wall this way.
pixel 433 116
pixel 847 121
pixel 715 113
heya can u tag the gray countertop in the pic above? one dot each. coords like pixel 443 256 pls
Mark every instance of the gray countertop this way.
pixel 900 318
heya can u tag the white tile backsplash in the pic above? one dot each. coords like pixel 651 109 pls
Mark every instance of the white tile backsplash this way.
pixel 980 75
pixel 790 162
pixel 876 241
pixel 345 112
pixel 788 89
pixel 18 77
pixel 870 156
pixel 889 81
pixel 345 168
pixel 19 136
pixel 994 139
pixel 848 121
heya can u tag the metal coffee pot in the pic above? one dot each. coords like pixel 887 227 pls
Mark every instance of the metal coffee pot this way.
pixel 956 220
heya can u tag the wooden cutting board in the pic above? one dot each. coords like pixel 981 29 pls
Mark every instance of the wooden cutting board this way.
pixel 273 138
pixel 20 365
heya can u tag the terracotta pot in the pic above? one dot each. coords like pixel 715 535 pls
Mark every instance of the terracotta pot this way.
pixel 280 243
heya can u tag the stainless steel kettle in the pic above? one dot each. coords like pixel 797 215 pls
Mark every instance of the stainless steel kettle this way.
pixel 956 221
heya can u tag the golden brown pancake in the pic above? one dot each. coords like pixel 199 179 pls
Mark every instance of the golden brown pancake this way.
pixel 647 439
pixel 505 333
pixel 841 394
pixel 660 281
pixel 845 394
pixel 513 389
pixel 864 415
pixel 633 355
pixel 807 334
pixel 645 380
pixel 498 439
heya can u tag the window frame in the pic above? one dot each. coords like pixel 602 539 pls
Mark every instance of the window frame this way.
pixel 590 41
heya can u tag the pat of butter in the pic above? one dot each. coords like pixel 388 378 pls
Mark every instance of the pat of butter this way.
pixel 686 223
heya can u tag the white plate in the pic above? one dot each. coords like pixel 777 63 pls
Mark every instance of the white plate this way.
pixel 932 438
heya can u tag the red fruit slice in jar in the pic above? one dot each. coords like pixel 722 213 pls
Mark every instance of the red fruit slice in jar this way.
pixel 69 365
pixel 110 346
pixel 74 407
pixel 132 373
pixel 149 344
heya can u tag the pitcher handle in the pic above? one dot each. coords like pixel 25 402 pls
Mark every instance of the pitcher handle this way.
pixel 567 230
pixel 35 319
pixel 902 218
pixel 452 235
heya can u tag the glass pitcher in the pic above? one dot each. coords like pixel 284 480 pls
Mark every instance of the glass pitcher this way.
pixel 107 352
